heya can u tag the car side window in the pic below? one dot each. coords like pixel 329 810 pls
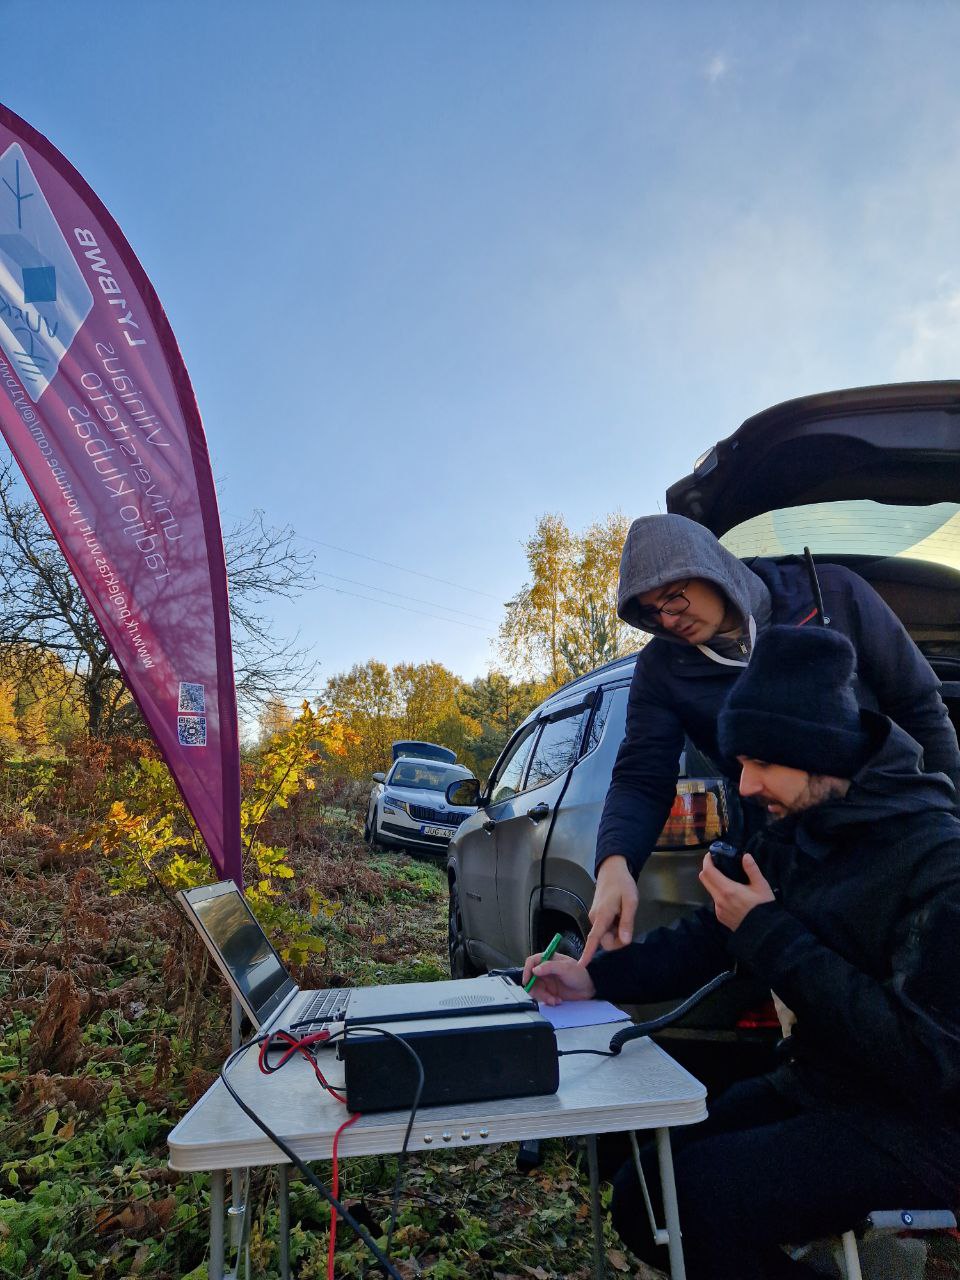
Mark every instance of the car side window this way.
pixel 508 777
pixel 556 748
pixel 609 718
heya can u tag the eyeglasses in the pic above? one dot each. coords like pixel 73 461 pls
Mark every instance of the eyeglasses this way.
pixel 648 615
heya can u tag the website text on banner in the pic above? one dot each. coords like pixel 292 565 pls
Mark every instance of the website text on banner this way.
pixel 97 408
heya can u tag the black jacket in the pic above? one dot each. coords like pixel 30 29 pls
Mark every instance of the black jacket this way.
pixel 862 943
pixel 677 690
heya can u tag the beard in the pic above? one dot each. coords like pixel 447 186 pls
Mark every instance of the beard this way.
pixel 820 789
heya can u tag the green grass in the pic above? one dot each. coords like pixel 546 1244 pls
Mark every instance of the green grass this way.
pixel 96 1067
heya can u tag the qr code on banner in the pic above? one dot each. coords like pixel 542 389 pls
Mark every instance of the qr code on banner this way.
pixel 192 731
pixel 191 698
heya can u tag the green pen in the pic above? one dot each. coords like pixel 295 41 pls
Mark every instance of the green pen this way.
pixel 547 955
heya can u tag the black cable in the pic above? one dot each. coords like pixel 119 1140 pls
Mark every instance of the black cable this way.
pixel 404 1149
pixel 601 1053
pixel 311 1178
pixel 634 1032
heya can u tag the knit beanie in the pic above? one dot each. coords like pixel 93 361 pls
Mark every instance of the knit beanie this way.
pixel 795 704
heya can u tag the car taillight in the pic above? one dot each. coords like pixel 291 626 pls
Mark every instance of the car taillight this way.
pixel 698 815
pixel 759 1018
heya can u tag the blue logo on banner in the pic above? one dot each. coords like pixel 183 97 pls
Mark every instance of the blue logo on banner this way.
pixel 44 298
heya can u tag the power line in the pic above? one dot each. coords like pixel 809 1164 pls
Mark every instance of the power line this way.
pixel 322 586
pixel 402 568
pixel 416 599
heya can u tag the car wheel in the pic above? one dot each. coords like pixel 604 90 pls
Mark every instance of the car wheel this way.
pixel 571 944
pixel 461 966
pixel 370 832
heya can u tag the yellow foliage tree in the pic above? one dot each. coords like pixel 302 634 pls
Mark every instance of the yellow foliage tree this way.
pixel 563 621
pixel 275 720
pixel 9 737
pixel 377 704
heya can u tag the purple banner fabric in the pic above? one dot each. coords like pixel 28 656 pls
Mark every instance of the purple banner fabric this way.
pixel 97 408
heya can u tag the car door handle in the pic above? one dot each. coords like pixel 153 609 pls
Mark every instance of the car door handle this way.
pixel 489 826
pixel 538 812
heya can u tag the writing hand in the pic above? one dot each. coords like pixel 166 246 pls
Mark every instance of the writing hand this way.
pixel 558 979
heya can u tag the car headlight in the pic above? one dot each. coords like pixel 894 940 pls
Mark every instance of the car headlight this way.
pixel 392 805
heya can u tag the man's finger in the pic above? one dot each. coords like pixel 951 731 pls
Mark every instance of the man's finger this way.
pixel 628 914
pixel 710 875
pixel 754 874
pixel 714 881
pixel 590 946
pixel 529 966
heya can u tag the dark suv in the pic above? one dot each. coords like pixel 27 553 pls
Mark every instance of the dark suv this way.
pixel 869 479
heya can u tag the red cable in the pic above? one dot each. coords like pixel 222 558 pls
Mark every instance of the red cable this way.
pixel 335 1189
pixel 302 1046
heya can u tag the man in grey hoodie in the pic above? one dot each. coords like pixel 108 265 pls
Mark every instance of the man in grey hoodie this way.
pixel 705 608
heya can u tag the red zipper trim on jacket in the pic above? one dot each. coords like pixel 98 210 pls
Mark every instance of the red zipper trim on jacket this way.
pixel 811 614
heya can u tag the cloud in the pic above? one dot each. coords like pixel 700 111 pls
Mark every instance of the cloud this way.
pixel 716 68
pixel 931 348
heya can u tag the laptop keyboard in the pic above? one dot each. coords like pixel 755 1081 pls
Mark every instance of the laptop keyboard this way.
pixel 326 1006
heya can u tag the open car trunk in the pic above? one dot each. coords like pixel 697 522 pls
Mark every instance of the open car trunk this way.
pixel 867 478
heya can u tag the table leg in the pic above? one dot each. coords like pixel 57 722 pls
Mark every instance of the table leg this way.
pixel 283 1192
pixel 599 1256
pixel 217 1199
pixel 670 1210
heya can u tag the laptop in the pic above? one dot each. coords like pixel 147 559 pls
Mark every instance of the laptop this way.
pixel 270 997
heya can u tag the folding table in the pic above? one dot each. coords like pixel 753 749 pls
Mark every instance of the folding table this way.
pixel 641 1088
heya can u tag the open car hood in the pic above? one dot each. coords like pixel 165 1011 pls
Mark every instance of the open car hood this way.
pixel 895 444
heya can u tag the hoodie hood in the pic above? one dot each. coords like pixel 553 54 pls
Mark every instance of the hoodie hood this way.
pixel 664 549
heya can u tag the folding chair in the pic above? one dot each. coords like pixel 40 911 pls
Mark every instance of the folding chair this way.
pixel 891 1220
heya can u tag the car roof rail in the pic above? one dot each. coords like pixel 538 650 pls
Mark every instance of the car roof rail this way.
pixel 597 672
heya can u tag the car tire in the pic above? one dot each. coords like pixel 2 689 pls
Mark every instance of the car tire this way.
pixel 370 833
pixel 571 944
pixel 461 966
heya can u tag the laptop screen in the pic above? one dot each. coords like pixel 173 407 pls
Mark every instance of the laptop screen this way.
pixel 256 969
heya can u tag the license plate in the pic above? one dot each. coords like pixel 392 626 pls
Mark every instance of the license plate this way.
pixel 443 832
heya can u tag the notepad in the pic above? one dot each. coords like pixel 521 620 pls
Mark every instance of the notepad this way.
pixel 582 1013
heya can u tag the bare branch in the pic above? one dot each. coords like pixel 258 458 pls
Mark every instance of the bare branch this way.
pixel 42 609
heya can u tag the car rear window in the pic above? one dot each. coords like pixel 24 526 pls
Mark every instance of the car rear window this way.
pixel 425 777
pixel 853 527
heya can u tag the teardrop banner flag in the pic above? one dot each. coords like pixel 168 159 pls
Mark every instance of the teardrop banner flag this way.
pixel 97 408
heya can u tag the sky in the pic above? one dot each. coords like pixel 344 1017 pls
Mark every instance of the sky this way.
pixel 438 267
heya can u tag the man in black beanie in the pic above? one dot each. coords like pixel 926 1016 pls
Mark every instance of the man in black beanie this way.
pixel 851 914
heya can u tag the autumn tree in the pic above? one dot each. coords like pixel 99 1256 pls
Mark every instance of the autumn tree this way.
pixel 365 698
pixel 530 634
pixel 496 704
pixel 380 704
pixel 8 715
pixel 563 621
pixel 275 719
pixel 41 701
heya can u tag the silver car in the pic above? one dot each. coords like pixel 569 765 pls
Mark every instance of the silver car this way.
pixel 869 479
pixel 408 807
